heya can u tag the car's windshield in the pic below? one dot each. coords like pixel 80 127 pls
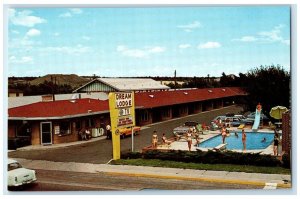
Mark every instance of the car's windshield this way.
pixel 13 166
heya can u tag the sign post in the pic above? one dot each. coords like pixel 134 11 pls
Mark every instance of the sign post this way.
pixel 122 114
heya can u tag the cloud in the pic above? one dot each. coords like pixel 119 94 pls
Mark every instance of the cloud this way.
pixel 156 49
pixel 33 32
pixel 15 32
pixel 24 18
pixel 71 12
pixel 22 60
pixel 139 53
pixel 66 14
pixel 246 39
pixel 190 27
pixel 56 34
pixel 210 44
pixel 271 36
pixel 79 49
pixel 76 10
pixel 86 38
pixel 184 46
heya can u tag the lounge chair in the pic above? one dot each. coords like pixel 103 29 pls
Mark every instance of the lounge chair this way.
pixel 241 126
pixel 202 128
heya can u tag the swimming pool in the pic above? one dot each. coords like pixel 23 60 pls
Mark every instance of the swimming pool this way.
pixel 254 141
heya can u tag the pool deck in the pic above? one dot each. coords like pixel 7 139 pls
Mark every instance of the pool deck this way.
pixel 182 143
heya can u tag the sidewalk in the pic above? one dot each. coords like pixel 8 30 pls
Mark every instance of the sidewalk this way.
pixel 259 179
pixel 55 146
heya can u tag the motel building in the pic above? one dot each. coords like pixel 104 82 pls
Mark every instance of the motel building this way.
pixel 54 121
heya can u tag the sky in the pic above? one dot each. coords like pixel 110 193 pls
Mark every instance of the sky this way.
pixel 146 41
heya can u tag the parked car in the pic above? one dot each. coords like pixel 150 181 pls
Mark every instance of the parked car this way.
pixel 233 121
pixel 262 116
pixel 242 117
pixel 127 131
pixel 222 117
pixel 183 129
pixel 18 176
pixel 248 121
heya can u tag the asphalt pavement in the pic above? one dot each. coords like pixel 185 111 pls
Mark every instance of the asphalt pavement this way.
pixel 269 181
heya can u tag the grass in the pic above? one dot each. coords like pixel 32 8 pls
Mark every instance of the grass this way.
pixel 199 166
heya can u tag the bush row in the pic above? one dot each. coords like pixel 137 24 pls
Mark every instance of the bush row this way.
pixel 212 157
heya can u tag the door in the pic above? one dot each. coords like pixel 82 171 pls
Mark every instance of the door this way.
pixel 46 133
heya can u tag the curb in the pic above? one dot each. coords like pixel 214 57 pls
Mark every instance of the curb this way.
pixel 214 180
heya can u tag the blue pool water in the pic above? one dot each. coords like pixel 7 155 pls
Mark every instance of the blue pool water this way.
pixel 253 141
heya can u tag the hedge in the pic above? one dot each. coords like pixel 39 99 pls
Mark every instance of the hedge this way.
pixel 211 157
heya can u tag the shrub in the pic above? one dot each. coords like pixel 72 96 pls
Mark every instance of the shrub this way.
pixel 286 162
pixel 210 157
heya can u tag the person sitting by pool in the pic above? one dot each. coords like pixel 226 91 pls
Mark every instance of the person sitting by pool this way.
pixel 164 140
pixel 264 140
pixel 236 134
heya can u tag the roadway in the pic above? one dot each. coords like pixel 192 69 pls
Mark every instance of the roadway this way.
pixel 78 181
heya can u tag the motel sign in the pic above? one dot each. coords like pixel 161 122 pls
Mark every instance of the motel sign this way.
pixel 122 114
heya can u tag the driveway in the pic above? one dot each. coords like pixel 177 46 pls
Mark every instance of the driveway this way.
pixel 100 151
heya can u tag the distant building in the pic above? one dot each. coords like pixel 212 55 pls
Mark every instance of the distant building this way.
pixel 14 92
pixel 25 100
pixel 121 84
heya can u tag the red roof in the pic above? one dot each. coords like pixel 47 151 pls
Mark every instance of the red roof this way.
pixel 61 108
pixel 80 107
pixel 172 97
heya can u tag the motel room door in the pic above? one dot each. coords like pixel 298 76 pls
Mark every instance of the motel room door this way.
pixel 46 133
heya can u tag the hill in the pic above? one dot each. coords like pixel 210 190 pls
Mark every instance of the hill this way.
pixel 60 79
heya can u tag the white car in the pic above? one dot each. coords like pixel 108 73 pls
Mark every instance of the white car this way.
pixel 18 176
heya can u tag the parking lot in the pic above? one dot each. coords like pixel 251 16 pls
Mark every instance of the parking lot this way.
pixel 100 151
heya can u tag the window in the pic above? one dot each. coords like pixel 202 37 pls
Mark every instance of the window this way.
pixel 183 110
pixel 23 129
pixel 64 128
pixel 89 123
pixel 166 113
pixel 13 166
pixel 78 125
pixel 144 116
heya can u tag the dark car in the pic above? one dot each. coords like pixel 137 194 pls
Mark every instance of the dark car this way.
pixel 262 116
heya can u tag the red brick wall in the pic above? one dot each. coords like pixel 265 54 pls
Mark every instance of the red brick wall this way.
pixel 286 132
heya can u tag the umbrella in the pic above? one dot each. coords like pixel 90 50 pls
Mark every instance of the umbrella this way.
pixel 276 112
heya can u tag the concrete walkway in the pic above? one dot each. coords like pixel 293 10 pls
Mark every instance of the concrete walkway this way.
pixel 259 179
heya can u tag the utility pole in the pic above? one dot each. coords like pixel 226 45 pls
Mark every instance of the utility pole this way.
pixel 175 82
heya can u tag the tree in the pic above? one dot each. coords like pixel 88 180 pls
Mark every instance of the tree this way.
pixel 269 85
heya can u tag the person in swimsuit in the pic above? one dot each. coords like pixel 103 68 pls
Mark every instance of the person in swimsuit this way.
pixel 164 140
pixel 258 107
pixel 189 139
pixel 223 133
pixel 276 143
pixel 154 139
pixel 244 139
